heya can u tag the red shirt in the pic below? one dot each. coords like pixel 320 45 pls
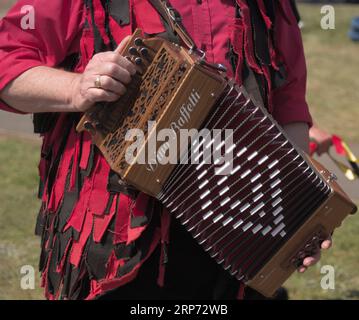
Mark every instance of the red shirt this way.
pixel 59 26
pixel 57 35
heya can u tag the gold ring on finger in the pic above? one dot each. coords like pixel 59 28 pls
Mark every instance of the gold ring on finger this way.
pixel 98 82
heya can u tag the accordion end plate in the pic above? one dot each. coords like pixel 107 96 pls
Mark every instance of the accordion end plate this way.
pixel 319 226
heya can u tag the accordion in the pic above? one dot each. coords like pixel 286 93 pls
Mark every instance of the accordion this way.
pixel 217 160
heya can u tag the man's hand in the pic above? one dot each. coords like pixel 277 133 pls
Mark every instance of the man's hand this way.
pixel 310 261
pixel 45 89
pixel 321 138
pixel 112 70
pixel 299 133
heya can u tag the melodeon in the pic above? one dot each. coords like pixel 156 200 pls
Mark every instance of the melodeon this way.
pixel 271 208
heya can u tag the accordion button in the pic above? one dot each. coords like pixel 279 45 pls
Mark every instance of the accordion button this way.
pixel 144 52
pixel 138 42
pixel 138 61
pixel 301 254
pixel 89 127
pixel 133 51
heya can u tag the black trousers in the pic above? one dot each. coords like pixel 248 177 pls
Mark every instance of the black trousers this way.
pixel 190 274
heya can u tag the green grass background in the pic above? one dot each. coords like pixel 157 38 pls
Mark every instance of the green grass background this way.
pixel 18 209
pixel 333 65
pixel 333 94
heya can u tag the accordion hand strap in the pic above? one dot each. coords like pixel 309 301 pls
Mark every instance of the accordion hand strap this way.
pixel 174 20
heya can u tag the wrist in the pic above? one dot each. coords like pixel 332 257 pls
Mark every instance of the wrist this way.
pixel 73 99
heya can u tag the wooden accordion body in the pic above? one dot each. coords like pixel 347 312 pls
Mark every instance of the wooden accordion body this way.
pixel 259 221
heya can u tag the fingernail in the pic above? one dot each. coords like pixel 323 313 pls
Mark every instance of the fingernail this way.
pixel 308 262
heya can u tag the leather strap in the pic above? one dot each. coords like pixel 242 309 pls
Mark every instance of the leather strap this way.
pixel 174 20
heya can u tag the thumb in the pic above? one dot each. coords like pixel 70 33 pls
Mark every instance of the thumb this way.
pixel 121 47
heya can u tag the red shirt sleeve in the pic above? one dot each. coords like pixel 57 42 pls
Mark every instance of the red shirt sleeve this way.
pixel 57 25
pixel 289 101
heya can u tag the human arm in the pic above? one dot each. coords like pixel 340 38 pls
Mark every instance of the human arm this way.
pixel 46 89
pixel 290 106
pixel 31 80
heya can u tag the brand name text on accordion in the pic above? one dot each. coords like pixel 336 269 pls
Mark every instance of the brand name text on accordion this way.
pixel 183 146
